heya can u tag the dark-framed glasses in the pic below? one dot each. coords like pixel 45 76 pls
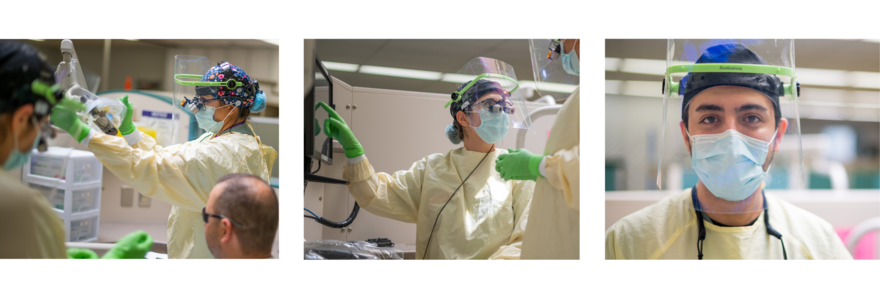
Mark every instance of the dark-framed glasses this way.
pixel 205 216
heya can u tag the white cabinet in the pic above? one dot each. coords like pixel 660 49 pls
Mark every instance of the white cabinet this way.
pixel 71 182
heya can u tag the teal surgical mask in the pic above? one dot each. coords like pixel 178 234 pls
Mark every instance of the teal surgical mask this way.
pixel 493 126
pixel 570 62
pixel 730 164
pixel 16 158
pixel 205 118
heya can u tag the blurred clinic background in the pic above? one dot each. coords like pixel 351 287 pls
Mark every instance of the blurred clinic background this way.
pixel 392 94
pixel 97 208
pixel 840 125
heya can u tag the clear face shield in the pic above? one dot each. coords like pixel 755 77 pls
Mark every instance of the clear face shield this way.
pixel 487 90
pixel 190 94
pixel 550 76
pixel 730 121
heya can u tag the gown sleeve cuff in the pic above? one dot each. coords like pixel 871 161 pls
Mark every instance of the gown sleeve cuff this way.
pixel 359 171
pixel 133 138
pixel 543 167
pixel 85 141
pixel 355 160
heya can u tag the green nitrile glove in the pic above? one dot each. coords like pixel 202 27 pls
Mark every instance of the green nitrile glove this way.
pixel 126 127
pixel 133 245
pixel 518 164
pixel 64 116
pixel 335 126
pixel 79 253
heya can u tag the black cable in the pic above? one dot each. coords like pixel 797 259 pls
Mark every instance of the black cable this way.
pixel 331 224
pixel 319 168
pixel 784 254
pixel 702 229
pixel 450 198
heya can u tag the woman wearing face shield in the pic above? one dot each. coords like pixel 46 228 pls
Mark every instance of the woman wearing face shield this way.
pixel 462 208
pixel 184 174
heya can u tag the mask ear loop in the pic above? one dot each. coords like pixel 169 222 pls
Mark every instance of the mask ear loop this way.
pixel 224 119
pixel 263 164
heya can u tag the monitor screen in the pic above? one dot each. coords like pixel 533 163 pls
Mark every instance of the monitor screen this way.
pixel 318 145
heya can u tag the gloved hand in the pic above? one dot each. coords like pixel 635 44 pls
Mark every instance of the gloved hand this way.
pixel 64 116
pixel 79 253
pixel 126 127
pixel 335 126
pixel 133 245
pixel 518 164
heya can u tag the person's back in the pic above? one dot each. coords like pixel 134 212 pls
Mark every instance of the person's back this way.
pixel 29 228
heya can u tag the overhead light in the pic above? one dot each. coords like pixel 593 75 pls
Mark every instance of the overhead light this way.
pixel 457 78
pixel 273 42
pixel 404 73
pixel 869 80
pixel 549 86
pixel 821 77
pixel 872 40
pixel 643 66
pixel 133 40
pixel 612 64
pixel 35 40
pixel 337 66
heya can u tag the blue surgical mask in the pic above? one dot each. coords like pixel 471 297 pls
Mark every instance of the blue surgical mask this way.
pixel 493 126
pixel 16 158
pixel 730 164
pixel 205 118
pixel 570 62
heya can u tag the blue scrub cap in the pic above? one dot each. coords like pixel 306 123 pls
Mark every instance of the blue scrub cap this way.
pixel 694 83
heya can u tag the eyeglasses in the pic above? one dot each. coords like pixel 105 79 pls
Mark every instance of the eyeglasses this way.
pixel 504 105
pixel 205 216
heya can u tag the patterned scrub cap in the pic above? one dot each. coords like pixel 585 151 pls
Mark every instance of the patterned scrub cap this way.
pixel 242 96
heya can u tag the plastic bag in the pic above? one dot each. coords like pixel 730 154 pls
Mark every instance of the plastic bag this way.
pixel 332 249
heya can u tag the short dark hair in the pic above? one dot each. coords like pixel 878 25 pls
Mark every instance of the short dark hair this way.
pixel 245 200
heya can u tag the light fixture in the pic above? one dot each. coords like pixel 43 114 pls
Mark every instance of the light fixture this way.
pixel 821 77
pixel 35 40
pixel 273 42
pixel 869 80
pixel 549 86
pixel 643 66
pixel 612 64
pixel 403 73
pixel 337 66
pixel 457 78
pixel 131 40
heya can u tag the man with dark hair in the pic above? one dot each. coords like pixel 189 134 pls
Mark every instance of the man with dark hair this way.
pixel 241 217
pixel 29 228
pixel 732 127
